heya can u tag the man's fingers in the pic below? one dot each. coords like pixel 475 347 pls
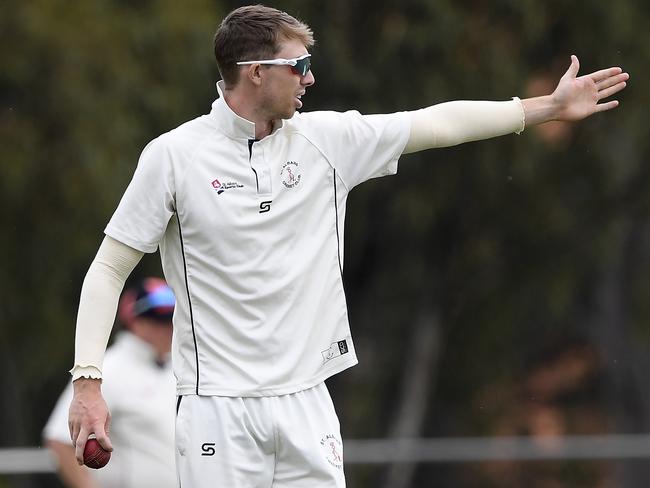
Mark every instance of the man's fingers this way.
pixel 574 68
pixel 612 80
pixel 74 432
pixel 104 440
pixel 602 107
pixel 608 92
pixel 80 445
pixel 107 429
pixel 604 74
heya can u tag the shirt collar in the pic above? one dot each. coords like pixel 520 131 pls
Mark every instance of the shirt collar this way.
pixel 232 124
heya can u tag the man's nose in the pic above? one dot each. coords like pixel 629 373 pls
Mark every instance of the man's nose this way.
pixel 308 79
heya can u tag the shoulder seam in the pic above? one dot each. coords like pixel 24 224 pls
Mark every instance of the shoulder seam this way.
pixel 327 158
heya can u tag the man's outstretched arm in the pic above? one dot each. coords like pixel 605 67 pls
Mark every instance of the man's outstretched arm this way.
pixel 97 307
pixel 575 98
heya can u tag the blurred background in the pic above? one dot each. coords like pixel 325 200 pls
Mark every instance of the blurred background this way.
pixel 497 288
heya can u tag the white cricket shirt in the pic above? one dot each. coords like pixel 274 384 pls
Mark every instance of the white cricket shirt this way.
pixel 251 241
pixel 141 398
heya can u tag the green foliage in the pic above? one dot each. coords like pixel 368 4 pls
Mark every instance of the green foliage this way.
pixel 511 240
pixel 84 86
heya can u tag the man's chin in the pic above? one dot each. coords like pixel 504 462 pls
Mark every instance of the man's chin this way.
pixel 289 114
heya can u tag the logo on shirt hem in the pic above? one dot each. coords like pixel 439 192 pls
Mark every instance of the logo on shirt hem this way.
pixel 335 350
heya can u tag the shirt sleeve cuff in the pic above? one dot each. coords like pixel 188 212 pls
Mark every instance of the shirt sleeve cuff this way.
pixel 90 372
pixel 523 115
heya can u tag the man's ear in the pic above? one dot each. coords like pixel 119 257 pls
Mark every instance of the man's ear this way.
pixel 254 74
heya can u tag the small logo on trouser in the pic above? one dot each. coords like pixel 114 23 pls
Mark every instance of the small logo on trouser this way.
pixel 336 349
pixel 333 449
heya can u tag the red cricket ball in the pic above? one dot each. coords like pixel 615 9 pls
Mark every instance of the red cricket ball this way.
pixel 94 454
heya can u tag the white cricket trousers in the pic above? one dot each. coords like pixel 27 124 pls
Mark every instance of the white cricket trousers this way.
pixel 288 441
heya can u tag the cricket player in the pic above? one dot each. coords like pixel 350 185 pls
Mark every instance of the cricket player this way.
pixel 140 389
pixel 247 207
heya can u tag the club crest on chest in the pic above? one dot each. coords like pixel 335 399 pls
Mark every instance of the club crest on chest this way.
pixel 290 174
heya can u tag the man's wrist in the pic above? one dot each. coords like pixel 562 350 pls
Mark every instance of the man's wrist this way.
pixel 87 384
pixel 542 109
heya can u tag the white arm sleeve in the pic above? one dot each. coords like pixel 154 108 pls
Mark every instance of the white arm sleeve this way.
pixel 451 123
pixel 100 294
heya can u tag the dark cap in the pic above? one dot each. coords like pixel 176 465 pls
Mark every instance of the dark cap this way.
pixel 151 298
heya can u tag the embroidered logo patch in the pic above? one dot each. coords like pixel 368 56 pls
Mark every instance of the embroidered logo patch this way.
pixel 290 174
pixel 221 187
pixel 333 449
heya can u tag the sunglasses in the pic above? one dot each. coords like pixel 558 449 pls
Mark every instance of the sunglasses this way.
pixel 299 66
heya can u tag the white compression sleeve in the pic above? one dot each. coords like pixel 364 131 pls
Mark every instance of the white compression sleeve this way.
pixel 100 294
pixel 451 123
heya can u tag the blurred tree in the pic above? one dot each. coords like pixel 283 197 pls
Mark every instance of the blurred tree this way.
pixel 516 243
pixel 84 86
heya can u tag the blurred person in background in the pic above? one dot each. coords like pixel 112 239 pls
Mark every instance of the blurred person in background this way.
pixel 139 387
pixel 247 206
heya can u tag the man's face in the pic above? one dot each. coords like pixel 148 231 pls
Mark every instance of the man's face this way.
pixel 282 88
pixel 155 332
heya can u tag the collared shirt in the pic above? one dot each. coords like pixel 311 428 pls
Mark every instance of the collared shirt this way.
pixel 251 240
pixel 140 393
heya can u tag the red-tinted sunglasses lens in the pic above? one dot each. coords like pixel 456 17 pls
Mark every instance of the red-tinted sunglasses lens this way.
pixel 302 67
